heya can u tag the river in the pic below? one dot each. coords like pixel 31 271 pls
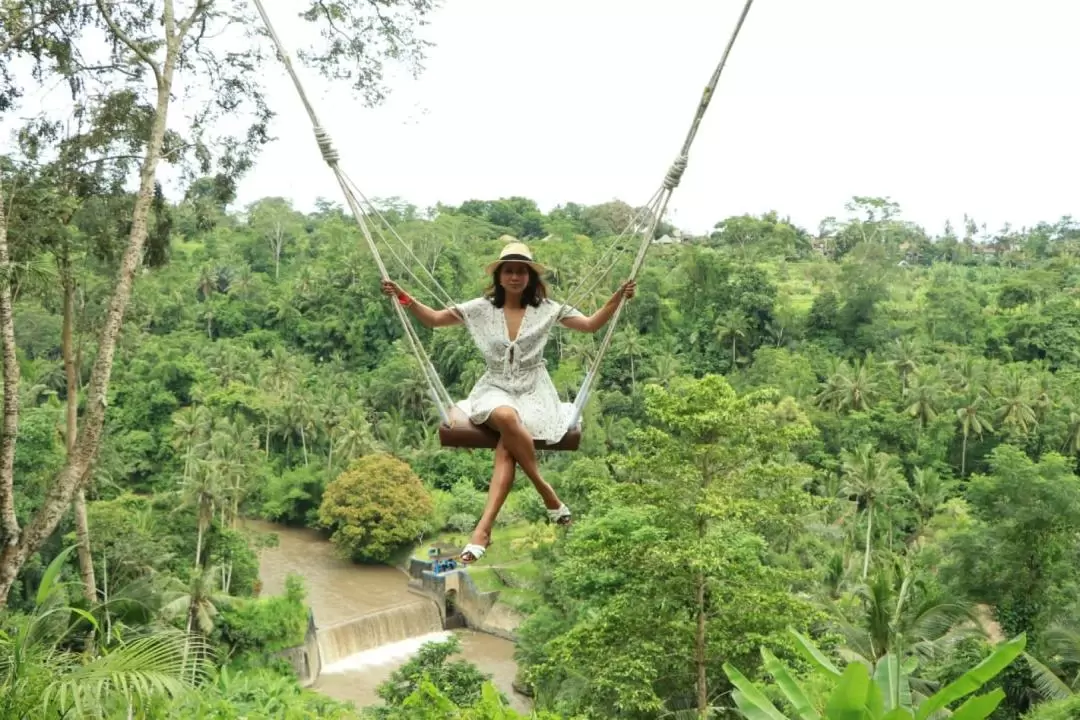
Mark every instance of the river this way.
pixel 369 623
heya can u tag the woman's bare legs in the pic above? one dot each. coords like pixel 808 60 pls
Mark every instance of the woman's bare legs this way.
pixel 517 440
pixel 502 479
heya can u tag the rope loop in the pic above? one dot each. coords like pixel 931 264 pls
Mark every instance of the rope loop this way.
pixel 326 146
pixel 674 175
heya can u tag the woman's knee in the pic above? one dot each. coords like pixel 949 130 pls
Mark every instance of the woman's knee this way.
pixel 504 418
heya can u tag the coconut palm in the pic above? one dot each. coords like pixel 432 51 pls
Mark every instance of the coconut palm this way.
pixel 41 677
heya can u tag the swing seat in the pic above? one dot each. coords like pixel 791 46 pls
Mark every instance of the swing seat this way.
pixel 462 433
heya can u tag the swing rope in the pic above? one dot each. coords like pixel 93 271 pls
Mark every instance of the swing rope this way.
pixel 652 214
pixel 671 181
pixel 330 155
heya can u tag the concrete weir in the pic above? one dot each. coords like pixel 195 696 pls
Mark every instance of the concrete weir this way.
pixel 460 602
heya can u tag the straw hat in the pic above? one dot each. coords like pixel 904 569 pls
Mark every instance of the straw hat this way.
pixel 515 252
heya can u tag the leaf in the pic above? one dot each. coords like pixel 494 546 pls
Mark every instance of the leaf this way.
pixel 50 579
pixel 159 666
pixel 751 701
pixel 980 706
pixel 848 700
pixel 1047 684
pixel 813 655
pixel 791 688
pixel 974 678
pixel 898 714
pixel 891 676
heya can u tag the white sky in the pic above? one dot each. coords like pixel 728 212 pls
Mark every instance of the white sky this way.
pixel 947 106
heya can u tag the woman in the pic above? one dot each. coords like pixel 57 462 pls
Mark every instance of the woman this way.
pixel 515 396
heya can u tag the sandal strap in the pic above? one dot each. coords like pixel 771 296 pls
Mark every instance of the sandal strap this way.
pixel 559 513
pixel 477 551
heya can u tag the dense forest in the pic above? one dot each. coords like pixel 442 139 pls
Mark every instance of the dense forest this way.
pixel 825 473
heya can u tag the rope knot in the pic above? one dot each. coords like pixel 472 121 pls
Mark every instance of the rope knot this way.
pixel 674 175
pixel 326 146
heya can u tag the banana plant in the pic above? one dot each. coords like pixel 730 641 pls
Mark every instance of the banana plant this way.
pixel 886 695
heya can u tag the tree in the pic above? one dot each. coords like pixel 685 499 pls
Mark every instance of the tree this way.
pixel 1017 553
pixel 459 681
pixel 672 571
pixel 872 478
pixel 166 44
pixel 374 507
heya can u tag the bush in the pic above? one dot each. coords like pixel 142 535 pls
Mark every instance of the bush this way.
pixel 266 625
pixel 375 507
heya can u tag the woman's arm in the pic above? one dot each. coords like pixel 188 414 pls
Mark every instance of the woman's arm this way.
pixel 428 317
pixel 599 319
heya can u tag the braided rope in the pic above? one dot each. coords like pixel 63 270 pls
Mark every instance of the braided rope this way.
pixel 671 181
pixel 436 389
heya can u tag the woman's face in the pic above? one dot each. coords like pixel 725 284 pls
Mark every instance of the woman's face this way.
pixel 514 276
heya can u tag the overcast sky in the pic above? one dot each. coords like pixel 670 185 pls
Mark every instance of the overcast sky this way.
pixel 946 106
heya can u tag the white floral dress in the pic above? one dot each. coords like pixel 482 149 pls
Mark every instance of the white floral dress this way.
pixel 516 373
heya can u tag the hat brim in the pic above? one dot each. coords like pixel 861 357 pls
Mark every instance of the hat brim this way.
pixel 540 269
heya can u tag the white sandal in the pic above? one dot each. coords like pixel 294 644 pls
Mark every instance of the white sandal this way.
pixel 477 552
pixel 560 515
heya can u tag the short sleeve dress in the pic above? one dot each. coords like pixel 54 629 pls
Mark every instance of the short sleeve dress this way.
pixel 516 373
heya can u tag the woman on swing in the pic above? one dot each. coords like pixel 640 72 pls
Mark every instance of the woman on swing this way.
pixel 515 396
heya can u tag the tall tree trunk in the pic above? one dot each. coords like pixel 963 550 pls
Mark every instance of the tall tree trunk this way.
pixel 869 528
pixel 60 494
pixel 699 650
pixel 9 524
pixel 67 349
pixel 198 541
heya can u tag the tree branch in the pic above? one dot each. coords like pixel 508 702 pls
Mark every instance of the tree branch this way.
pixel 186 23
pixel 17 37
pixel 126 39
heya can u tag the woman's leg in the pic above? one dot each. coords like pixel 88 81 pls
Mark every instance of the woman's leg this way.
pixel 519 443
pixel 502 479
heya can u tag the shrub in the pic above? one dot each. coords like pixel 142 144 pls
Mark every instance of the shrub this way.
pixel 375 507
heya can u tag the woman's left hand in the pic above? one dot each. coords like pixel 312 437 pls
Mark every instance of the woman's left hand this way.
pixel 628 289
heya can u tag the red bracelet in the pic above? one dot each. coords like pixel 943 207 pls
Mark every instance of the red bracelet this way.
pixel 404 299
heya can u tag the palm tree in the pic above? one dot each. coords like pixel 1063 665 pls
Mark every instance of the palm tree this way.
pixel 355 435
pixel 850 388
pixel 627 343
pixel 202 489
pixel 40 678
pixel 663 368
pixel 924 394
pixel 1016 411
pixel 872 478
pixel 905 355
pixel 1071 446
pixel 973 420
pixel 894 613
pixel 732 324
pixel 929 491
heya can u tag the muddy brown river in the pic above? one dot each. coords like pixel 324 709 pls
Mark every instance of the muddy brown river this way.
pixel 369 623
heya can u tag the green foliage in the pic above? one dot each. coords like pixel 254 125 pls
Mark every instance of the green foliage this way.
pixel 1058 710
pixel 266 625
pixel 714 494
pixel 375 507
pixel 458 681
pixel 885 695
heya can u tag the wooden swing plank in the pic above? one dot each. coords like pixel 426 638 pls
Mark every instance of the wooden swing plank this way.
pixel 464 434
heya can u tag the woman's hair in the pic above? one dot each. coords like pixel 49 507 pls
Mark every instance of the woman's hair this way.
pixel 535 291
